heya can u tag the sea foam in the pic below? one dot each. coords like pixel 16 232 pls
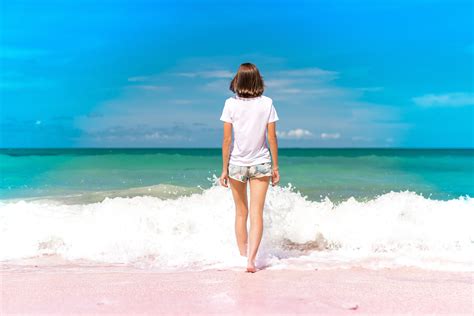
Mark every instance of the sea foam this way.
pixel 197 231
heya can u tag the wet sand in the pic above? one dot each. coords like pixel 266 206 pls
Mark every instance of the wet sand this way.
pixel 130 291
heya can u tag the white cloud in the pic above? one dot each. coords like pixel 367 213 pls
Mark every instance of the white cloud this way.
pixel 297 133
pixel 447 99
pixel 330 135
pixel 157 135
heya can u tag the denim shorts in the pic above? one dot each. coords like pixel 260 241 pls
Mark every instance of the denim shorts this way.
pixel 243 173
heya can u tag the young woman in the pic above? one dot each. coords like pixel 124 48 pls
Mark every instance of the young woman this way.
pixel 251 117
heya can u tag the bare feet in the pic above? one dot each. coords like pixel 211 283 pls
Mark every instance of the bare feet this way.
pixel 251 267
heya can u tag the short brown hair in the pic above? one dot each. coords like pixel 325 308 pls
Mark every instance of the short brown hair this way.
pixel 247 83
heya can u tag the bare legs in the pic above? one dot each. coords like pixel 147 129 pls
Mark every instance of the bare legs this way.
pixel 239 192
pixel 258 191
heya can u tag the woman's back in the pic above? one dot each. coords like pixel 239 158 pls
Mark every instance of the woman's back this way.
pixel 249 118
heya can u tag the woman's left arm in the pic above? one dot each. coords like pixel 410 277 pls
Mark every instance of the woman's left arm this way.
pixel 226 142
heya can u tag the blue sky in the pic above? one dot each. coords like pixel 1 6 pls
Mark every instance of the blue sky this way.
pixel 156 73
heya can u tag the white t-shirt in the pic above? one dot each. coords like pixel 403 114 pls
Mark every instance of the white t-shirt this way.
pixel 249 118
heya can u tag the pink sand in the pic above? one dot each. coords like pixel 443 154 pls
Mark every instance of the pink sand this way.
pixel 131 291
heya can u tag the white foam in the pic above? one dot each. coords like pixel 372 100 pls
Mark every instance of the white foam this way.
pixel 197 231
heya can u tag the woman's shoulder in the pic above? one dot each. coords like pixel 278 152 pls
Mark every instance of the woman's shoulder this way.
pixel 267 99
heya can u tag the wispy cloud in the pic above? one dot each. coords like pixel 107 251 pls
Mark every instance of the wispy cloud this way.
pixel 139 78
pixel 310 80
pixel 293 91
pixel 447 99
pixel 142 135
pixel 219 73
pixel 297 133
pixel 330 135
pixel 312 84
pixel 215 86
pixel 150 87
pixel 310 72
pixel 279 83
pixel 308 98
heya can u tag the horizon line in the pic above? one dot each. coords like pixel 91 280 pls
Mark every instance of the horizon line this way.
pixel 8 148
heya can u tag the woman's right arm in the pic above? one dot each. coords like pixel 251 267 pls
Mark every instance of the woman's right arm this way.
pixel 273 143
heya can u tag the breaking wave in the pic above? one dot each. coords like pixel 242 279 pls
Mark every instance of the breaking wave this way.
pixel 195 230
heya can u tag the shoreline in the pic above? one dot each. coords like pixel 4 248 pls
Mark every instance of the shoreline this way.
pixel 138 291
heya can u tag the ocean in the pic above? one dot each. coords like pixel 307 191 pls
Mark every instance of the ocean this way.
pixel 163 208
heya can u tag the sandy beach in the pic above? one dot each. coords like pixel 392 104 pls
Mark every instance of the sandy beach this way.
pixel 134 291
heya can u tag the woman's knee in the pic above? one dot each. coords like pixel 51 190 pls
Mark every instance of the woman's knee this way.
pixel 241 211
pixel 256 215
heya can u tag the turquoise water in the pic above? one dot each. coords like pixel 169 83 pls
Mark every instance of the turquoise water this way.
pixel 335 207
pixel 317 173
